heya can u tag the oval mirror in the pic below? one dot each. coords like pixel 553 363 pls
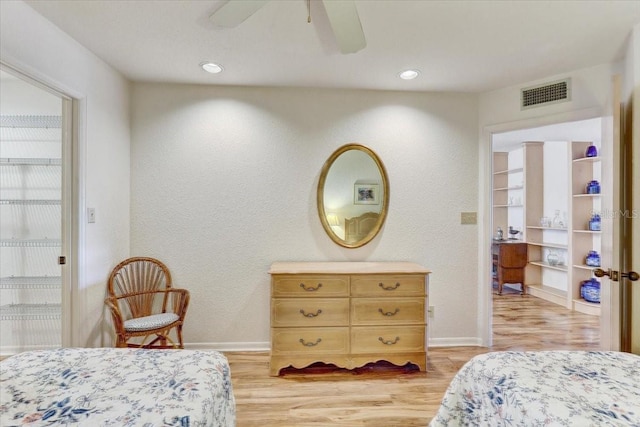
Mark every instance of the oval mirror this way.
pixel 353 195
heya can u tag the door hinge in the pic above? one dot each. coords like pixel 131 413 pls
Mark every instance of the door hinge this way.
pixel 62 260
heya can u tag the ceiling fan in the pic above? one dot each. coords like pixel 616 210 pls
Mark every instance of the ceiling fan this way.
pixel 342 15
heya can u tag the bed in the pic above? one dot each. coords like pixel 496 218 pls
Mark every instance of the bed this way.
pixel 359 227
pixel 116 387
pixel 544 388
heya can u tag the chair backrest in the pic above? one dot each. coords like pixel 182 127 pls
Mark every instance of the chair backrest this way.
pixel 140 278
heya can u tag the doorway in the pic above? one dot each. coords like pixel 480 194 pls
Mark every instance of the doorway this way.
pixel 35 218
pixel 536 203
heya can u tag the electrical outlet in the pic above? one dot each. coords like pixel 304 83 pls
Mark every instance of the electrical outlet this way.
pixel 432 311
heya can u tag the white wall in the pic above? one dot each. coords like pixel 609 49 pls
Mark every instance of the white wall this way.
pixel 36 47
pixel 224 183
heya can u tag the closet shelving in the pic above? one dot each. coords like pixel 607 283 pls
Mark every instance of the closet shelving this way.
pixel 30 202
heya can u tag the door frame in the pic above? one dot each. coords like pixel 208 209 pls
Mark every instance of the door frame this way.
pixel 73 191
pixel 485 302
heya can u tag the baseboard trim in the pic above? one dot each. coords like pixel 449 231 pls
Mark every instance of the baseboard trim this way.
pixel 7 351
pixel 455 342
pixel 229 346
pixel 266 346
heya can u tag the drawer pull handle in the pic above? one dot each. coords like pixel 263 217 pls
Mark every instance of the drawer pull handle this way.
pixel 389 313
pixel 389 288
pixel 310 289
pixel 388 342
pixel 316 314
pixel 310 344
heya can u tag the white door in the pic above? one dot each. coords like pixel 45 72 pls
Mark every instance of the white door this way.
pixel 629 258
pixel 620 313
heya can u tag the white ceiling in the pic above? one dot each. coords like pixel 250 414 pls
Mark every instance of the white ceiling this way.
pixel 463 46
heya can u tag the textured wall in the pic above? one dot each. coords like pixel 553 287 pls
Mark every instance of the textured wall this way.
pixel 224 183
pixel 36 47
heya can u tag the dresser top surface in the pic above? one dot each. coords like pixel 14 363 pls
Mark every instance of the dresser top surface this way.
pixel 346 268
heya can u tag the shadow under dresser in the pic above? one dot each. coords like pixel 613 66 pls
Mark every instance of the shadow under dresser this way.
pixel 348 314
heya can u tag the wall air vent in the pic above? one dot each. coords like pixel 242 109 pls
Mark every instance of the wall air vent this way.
pixel 545 94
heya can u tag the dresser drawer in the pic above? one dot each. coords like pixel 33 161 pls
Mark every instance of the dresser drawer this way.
pixel 387 339
pixel 310 312
pixel 309 340
pixel 388 285
pixel 387 311
pixel 310 286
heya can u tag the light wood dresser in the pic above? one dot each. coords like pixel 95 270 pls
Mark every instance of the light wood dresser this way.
pixel 348 314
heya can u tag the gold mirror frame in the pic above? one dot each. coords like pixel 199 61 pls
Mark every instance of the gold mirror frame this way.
pixel 383 202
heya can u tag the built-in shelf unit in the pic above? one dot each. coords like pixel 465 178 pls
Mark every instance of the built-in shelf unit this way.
pixel 557 243
pixel 583 170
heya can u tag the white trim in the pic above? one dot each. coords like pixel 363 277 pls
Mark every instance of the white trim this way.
pixel 9 351
pixel 266 346
pixel 456 342
pixel 229 346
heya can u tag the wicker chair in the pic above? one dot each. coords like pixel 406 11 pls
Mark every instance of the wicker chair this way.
pixel 144 304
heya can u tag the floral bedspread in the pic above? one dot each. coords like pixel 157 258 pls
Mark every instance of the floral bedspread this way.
pixel 116 387
pixel 544 388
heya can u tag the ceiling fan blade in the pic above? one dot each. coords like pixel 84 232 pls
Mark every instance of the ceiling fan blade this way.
pixel 345 24
pixel 235 12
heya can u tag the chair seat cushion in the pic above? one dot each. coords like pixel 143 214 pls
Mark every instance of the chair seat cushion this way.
pixel 148 323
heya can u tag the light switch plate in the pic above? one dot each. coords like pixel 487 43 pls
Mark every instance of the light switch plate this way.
pixel 91 215
pixel 468 218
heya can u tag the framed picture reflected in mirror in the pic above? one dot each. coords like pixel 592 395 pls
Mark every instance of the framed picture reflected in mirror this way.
pixel 366 193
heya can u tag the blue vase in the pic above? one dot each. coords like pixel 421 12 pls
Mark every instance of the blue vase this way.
pixel 593 187
pixel 593 259
pixel 592 151
pixel 590 290
pixel 595 223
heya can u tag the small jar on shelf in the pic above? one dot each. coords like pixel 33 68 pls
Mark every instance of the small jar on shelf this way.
pixel 593 259
pixel 595 222
pixel 590 290
pixel 593 187
pixel 553 258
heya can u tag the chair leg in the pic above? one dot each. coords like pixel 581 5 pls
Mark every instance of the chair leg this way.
pixel 179 332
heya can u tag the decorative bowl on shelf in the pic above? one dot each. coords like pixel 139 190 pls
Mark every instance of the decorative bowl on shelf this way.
pixel 592 151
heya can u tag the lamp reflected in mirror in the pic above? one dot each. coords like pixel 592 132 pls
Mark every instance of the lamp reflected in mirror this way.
pixel 333 220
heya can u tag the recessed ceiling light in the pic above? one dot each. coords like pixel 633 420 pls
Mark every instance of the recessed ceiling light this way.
pixel 409 74
pixel 211 67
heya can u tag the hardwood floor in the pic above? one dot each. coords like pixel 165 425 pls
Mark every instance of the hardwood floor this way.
pixel 385 395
